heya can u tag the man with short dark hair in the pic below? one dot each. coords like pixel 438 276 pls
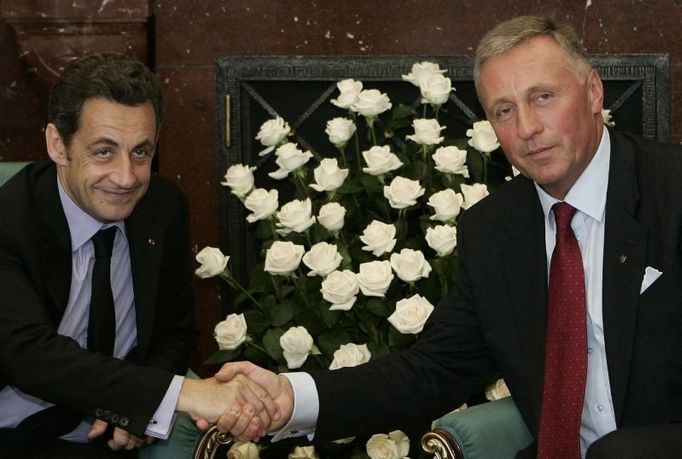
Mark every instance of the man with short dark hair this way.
pixel 96 307
pixel 569 282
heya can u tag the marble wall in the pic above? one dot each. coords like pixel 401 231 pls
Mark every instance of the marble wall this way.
pixel 181 39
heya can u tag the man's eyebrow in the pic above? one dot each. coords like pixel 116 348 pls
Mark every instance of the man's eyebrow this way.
pixel 103 141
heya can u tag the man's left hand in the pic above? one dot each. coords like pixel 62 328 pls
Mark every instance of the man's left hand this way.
pixel 121 440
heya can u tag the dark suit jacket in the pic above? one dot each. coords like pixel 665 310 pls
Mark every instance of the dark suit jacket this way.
pixel 35 276
pixel 495 320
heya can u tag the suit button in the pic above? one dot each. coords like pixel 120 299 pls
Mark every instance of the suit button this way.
pixel 114 418
pixel 99 412
pixel 123 421
pixel 106 415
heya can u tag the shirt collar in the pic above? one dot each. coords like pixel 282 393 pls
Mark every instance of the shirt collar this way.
pixel 82 226
pixel 588 194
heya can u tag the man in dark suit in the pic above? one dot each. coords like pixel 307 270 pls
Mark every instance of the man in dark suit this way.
pixel 544 101
pixel 125 375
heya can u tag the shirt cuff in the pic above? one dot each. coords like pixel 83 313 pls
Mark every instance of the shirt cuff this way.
pixel 164 417
pixel 306 408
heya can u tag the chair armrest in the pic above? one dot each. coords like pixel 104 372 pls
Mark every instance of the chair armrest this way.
pixel 210 442
pixel 489 430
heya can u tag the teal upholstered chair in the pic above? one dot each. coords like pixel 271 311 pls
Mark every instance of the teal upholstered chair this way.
pixel 8 169
pixel 491 430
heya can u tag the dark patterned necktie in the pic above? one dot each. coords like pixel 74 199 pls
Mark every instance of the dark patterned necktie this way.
pixel 566 345
pixel 102 320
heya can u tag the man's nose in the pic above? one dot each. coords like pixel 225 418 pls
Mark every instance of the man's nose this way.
pixel 528 123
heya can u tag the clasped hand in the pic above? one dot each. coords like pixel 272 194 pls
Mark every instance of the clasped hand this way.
pixel 243 399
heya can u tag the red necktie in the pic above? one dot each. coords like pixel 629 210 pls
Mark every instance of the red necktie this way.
pixel 566 346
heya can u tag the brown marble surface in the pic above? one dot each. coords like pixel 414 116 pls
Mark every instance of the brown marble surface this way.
pixel 184 37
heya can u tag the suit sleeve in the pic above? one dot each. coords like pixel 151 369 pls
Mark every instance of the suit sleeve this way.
pixel 448 364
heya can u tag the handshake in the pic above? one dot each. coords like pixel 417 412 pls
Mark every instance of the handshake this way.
pixel 243 399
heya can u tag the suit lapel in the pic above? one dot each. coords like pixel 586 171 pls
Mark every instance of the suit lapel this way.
pixel 523 253
pixel 145 240
pixel 624 259
pixel 56 249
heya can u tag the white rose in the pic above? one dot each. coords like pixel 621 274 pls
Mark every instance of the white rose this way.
pixel 395 445
pixel 331 216
pixel 451 160
pixel 231 332
pixel 340 130
pixel 262 203
pixel 473 194
pixel 240 179
pixel 271 133
pixel 213 262
pixel 375 278
pixel 606 118
pixel 422 71
pixel 340 288
pixel 283 258
pixel 328 176
pixel 497 390
pixel 322 259
pixel 380 446
pixel 350 355
pixel 289 158
pixel 446 204
pixel 410 265
pixel 371 102
pixel 403 192
pixel 436 89
pixel 295 216
pixel 426 131
pixel 442 239
pixel 380 160
pixel 402 442
pixel 304 452
pixel 483 137
pixel 410 314
pixel 296 344
pixel 378 237
pixel 243 450
pixel 348 93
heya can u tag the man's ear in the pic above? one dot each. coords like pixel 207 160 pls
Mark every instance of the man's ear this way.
pixel 55 145
pixel 595 90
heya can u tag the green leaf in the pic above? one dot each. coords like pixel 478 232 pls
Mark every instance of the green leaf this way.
pixel 378 308
pixel 223 356
pixel 330 340
pixel 256 321
pixel 282 313
pixel 271 343
pixel 399 340
pixel 256 355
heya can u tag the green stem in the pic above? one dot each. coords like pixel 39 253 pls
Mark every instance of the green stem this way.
pixel 232 282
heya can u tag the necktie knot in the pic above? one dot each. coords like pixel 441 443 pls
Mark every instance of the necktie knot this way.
pixel 103 242
pixel 563 214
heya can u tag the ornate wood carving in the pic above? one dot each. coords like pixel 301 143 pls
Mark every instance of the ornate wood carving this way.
pixel 50 34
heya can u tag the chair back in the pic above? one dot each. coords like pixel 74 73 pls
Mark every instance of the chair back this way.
pixel 9 168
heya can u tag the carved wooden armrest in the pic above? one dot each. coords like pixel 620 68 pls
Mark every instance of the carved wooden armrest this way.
pixel 210 442
pixel 441 444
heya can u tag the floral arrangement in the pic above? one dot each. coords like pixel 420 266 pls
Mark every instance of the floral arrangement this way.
pixel 355 262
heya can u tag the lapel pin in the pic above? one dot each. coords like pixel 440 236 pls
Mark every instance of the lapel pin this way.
pixel 151 241
pixel 623 259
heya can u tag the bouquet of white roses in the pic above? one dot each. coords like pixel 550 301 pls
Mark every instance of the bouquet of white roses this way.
pixel 354 263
